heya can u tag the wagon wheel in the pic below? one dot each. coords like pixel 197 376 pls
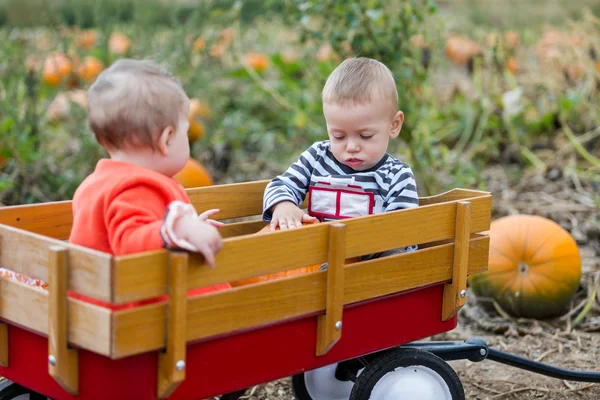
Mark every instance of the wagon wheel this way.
pixel 409 374
pixel 331 382
pixel 11 391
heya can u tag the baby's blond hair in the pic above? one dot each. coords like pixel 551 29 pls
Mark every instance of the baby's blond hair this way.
pixel 132 102
pixel 360 81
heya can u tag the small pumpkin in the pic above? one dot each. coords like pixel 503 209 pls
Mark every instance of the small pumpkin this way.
pixel 534 267
pixel 193 175
pixel 512 39
pixel 60 109
pixel 199 44
pixel 258 62
pixel 119 43
pixel 197 109
pixel 86 40
pixel 90 69
pixel 511 65
pixel 277 275
pixel 57 67
pixel 460 50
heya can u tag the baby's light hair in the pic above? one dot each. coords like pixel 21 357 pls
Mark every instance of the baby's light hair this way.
pixel 132 102
pixel 360 80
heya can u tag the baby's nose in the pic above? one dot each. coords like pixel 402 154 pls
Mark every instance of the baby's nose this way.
pixel 352 147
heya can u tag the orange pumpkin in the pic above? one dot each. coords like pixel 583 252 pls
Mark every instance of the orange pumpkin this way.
pixel 277 275
pixel 534 267
pixel 196 129
pixel 512 39
pixel 460 50
pixel 57 67
pixel 90 69
pixel 258 62
pixel 511 65
pixel 86 40
pixel 118 43
pixel 199 44
pixel 198 108
pixel 193 175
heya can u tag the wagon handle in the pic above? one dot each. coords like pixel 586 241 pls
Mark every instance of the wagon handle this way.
pixel 476 350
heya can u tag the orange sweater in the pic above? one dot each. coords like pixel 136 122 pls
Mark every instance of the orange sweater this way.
pixel 119 209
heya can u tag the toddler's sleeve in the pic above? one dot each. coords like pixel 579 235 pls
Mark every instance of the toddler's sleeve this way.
pixel 403 191
pixel 292 185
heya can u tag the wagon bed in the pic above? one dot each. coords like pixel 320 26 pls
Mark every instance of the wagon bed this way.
pixel 202 346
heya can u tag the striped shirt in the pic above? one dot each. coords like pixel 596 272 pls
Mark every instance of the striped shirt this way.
pixel 391 181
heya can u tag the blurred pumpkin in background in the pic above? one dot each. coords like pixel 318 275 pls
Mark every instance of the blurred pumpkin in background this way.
pixel 534 267
pixel 193 175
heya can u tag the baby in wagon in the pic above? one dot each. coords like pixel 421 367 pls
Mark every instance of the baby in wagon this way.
pixel 351 174
pixel 130 203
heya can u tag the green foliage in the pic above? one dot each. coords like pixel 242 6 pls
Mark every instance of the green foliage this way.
pixel 458 119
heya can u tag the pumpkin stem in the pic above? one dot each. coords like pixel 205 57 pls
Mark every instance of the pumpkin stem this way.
pixel 523 268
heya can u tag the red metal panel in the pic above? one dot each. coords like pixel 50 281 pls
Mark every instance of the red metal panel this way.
pixel 233 362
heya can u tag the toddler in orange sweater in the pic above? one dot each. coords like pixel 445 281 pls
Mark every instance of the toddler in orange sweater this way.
pixel 131 203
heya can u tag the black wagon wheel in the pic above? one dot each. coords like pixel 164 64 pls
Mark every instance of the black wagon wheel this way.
pixel 12 391
pixel 408 374
pixel 322 384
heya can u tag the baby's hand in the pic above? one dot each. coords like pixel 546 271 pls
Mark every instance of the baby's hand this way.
pixel 204 217
pixel 202 235
pixel 287 215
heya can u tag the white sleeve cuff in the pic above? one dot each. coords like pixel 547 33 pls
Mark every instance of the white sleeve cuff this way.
pixel 175 211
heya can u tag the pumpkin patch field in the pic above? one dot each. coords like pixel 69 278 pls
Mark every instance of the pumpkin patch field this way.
pixel 502 96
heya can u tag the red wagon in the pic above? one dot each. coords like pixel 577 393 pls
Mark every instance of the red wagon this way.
pixel 336 331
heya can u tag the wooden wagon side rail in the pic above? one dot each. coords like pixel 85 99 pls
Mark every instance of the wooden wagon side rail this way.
pixel 27 253
pixel 142 276
pixel 26 306
pixel 54 219
pixel 257 305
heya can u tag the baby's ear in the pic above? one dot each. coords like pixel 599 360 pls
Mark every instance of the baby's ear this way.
pixel 164 140
pixel 397 124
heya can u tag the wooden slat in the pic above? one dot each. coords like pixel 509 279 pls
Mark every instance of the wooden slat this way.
pixel 53 219
pixel 329 325
pixel 241 228
pixel 63 362
pixel 3 344
pixel 171 363
pixel 427 223
pixel 245 307
pixel 234 200
pixel 27 253
pixel 281 251
pixel 455 291
pixel 452 195
pixel 140 276
pixel 27 306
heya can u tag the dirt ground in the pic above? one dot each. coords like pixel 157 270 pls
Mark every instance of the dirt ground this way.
pixel 575 206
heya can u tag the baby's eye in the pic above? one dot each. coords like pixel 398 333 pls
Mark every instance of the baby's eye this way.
pixel 366 137
pixel 338 137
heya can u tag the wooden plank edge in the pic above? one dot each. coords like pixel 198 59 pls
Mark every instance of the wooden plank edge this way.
pixel 89 325
pixel 153 316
